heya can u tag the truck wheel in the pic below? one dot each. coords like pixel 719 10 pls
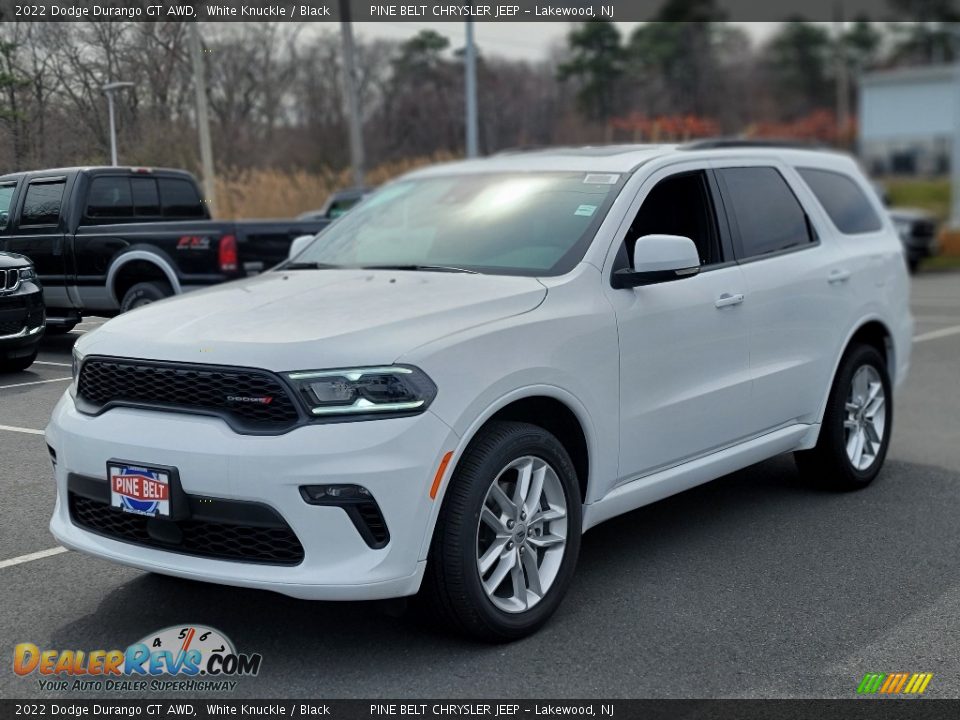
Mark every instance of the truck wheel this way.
pixel 855 432
pixel 506 542
pixel 17 364
pixel 145 293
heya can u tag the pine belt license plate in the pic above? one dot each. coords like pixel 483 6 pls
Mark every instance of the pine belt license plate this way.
pixel 139 489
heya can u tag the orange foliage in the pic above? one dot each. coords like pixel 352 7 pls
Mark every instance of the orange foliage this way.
pixel 665 128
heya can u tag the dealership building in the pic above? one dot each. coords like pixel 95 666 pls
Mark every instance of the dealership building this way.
pixel 908 117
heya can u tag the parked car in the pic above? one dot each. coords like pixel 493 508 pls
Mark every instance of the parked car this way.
pixel 106 240
pixel 917 229
pixel 21 312
pixel 481 362
pixel 918 232
pixel 337 204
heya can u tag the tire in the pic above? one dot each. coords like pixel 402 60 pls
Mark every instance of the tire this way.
pixel 829 464
pixel 59 329
pixel 453 588
pixel 144 293
pixel 913 264
pixel 17 364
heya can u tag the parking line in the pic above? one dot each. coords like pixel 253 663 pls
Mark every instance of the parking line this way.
pixel 35 382
pixel 937 334
pixel 25 431
pixel 31 557
pixel 45 362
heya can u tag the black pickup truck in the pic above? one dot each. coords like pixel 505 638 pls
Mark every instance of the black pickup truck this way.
pixel 105 240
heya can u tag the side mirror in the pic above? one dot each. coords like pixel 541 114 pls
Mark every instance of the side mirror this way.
pixel 657 259
pixel 299 244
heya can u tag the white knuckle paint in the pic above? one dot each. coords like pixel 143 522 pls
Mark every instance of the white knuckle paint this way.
pixel 674 383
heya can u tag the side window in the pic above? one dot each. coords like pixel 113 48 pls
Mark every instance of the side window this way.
pixel 42 204
pixel 6 197
pixel 680 205
pixel 767 213
pixel 844 201
pixel 109 197
pixel 146 199
pixel 180 199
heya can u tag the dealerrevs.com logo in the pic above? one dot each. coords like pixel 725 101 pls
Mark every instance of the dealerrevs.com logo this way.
pixel 200 657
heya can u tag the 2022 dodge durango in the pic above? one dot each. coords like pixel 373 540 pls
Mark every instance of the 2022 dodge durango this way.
pixel 449 385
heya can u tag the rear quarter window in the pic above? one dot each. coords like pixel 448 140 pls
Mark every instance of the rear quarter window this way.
pixel 180 199
pixel 845 203
pixel 109 197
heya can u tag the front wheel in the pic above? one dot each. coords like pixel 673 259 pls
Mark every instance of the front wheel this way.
pixel 855 433
pixel 508 535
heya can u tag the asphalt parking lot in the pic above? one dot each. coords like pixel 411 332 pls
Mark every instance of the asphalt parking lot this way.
pixel 751 586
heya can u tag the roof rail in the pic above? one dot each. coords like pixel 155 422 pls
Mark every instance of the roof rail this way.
pixel 720 143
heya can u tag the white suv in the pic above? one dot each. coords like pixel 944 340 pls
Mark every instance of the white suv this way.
pixel 480 362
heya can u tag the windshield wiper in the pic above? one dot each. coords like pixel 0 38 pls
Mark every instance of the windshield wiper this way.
pixel 307 266
pixel 427 268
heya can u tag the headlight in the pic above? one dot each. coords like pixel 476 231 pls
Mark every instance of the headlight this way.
pixel 28 273
pixel 355 392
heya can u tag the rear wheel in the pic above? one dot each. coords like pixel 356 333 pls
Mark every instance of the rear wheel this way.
pixel 855 433
pixel 144 293
pixel 507 539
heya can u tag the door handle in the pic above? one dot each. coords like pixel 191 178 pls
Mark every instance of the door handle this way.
pixel 727 299
pixel 838 276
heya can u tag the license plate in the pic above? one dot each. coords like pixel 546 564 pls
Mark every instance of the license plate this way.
pixel 139 489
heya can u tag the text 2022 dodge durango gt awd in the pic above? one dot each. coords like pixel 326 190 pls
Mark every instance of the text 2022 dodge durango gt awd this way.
pixel 441 392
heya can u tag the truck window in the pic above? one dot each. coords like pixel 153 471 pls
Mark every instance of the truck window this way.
pixel 180 199
pixel 42 204
pixel 109 197
pixel 146 199
pixel 6 197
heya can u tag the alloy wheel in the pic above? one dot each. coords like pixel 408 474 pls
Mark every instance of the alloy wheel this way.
pixel 866 417
pixel 521 534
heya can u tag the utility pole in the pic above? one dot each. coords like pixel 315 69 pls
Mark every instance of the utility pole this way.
pixel 470 85
pixel 203 119
pixel 843 72
pixel 350 91
pixel 109 89
pixel 954 222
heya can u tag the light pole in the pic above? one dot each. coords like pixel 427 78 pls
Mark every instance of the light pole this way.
pixel 108 90
pixel 350 90
pixel 203 119
pixel 470 86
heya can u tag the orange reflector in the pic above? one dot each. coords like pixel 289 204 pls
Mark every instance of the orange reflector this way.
pixel 439 476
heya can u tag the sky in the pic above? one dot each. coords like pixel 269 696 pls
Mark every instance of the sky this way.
pixel 521 41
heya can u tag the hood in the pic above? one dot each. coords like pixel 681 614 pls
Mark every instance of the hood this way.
pixel 313 319
pixel 12 260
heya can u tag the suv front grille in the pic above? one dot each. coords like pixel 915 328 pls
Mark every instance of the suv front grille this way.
pixel 249 400
pixel 275 544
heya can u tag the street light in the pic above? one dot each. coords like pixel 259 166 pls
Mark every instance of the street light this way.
pixel 108 90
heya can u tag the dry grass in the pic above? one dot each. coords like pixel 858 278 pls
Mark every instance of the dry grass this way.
pixel 271 193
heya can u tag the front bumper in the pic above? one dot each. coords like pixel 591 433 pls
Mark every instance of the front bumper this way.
pixel 394 459
pixel 21 320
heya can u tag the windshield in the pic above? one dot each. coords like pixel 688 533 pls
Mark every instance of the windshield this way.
pixel 504 223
